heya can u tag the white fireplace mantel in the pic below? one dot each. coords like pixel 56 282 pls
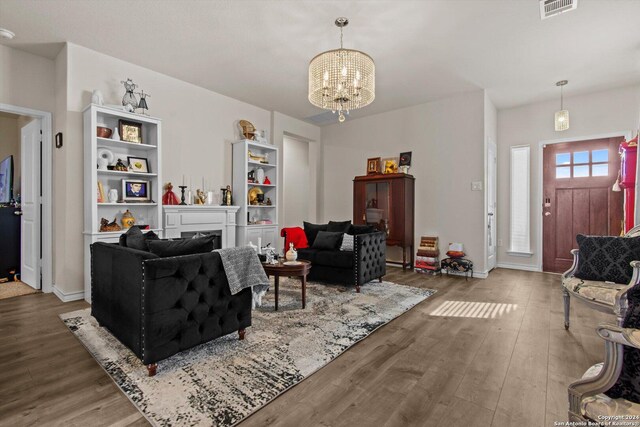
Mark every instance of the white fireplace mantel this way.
pixel 190 218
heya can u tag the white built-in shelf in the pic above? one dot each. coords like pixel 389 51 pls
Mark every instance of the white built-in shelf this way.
pixel 255 184
pixel 123 144
pixel 264 165
pixel 128 204
pixel 268 147
pixel 260 206
pixel 109 172
pixel 261 225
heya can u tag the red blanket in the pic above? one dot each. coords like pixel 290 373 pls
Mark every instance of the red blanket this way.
pixel 296 236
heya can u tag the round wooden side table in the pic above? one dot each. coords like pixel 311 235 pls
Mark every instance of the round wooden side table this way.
pixel 301 269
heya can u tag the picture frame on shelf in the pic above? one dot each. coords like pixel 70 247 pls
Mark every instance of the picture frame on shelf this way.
pixel 138 164
pixel 130 131
pixel 135 190
pixel 373 165
pixel 389 165
pixel 405 159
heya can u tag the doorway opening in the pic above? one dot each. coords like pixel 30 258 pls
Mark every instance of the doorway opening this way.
pixel 578 196
pixel 25 199
pixel 297 185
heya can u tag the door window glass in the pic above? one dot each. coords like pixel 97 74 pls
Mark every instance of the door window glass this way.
pixel 563 159
pixel 601 169
pixel 598 156
pixel 580 157
pixel 581 171
pixel 563 172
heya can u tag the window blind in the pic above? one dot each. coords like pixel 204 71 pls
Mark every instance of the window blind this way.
pixel 520 234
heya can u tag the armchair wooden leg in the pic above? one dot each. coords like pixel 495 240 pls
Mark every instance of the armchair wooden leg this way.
pixel 241 333
pixel 380 279
pixel 152 369
pixel 567 304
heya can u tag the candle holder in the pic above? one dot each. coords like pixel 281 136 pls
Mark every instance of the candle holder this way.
pixel 182 188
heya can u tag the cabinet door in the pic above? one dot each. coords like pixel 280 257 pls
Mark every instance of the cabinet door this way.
pixel 253 234
pixel 269 236
pixel 378 204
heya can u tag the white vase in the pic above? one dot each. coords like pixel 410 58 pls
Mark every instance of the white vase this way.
pixel 113 195
pixel 105 158
pixel 260 175
pixel 292 254
pixel 116 134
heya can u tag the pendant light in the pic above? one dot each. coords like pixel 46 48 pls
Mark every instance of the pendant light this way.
pixel 342 79
pixel 562 116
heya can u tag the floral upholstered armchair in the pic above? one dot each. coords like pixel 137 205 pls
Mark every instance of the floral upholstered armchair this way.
pixel 609 392
pixel 609 293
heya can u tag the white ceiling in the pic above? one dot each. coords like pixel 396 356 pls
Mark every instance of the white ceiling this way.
pixel 258 51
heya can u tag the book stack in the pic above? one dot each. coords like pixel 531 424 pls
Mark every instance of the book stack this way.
pixel 427 259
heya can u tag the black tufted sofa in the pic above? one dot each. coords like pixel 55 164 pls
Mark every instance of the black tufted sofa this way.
pixel 160 306
pixel 367 261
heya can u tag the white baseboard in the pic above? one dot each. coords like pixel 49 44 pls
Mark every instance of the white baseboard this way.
pixel 476 274
pixel 524 267
pixel 72 296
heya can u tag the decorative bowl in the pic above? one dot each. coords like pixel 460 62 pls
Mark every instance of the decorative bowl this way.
pixel 103 132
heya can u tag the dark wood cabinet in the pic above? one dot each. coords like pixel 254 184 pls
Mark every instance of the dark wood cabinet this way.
pixel 387 203
pixel 10 249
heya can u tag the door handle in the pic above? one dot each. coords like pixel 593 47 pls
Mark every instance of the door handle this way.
pixel 18 213
pixel 547 213
pixel 490 213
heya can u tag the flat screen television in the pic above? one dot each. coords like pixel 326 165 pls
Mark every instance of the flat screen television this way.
pixel 6 180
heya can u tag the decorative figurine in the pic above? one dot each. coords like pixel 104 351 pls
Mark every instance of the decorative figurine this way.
pixel 260 176
pixel 251 176
pixel 261 137
pixel 129 100
pixel 120 166
pixel 200 197
pixel 268 202
pixel 128 220
pixel 292 254
pixel 105 225
pixel 169 197
pixel 143 101
pixel 113 195
pixel 227 196
pixel 105 158
pixel 97 97
pixel 266 180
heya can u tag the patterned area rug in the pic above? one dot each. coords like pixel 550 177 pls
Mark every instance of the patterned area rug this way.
pixel 224 381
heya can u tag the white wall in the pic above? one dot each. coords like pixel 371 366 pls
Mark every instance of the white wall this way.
pixel 593 114
pixel 296 183
pixel 447 141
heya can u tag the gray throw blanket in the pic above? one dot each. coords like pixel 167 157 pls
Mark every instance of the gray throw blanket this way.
pixel 244 270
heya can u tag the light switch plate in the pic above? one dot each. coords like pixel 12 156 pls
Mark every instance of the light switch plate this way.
pixel 476 186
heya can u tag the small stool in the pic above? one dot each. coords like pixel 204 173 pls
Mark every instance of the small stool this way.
pixel 457 264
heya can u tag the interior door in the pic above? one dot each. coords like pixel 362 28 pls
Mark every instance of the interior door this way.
pixel 578 197
pixel 30 161
pixel 492 165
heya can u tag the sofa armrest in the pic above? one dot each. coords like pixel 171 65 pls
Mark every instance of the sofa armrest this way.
pixel 621 304
pixel 370 253
pixel 187 301
pixel 570 272
pixel 116 289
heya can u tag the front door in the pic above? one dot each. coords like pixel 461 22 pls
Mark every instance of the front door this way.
pixel 578 197
pixel 30 145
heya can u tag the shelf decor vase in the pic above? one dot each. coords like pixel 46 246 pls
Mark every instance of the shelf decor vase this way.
pixel 113 195
pixel 292 254
pixel 128 220
pixel 260 175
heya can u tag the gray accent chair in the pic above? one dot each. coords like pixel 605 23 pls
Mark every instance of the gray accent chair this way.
pixel 587 401
pixel 607 297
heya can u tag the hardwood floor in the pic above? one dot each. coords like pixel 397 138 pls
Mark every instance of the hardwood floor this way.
pixel 420 369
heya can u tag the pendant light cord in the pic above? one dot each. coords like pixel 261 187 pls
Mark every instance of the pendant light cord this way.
pixel 561 98
pixel 340 37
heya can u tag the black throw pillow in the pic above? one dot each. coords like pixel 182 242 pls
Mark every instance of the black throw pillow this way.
pixel 167 248
pixel 311 231
pixel 329 240
pixel 339 226
pixel 356 229
pixel 134 238
pixel 605 258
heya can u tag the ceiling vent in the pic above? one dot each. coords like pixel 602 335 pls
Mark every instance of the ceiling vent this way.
pixel 549 8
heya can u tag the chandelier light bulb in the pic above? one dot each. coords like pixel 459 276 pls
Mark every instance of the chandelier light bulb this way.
pixel 341 118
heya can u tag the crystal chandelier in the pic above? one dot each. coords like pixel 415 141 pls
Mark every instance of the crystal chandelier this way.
pixel 562 116
pixel 342 79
